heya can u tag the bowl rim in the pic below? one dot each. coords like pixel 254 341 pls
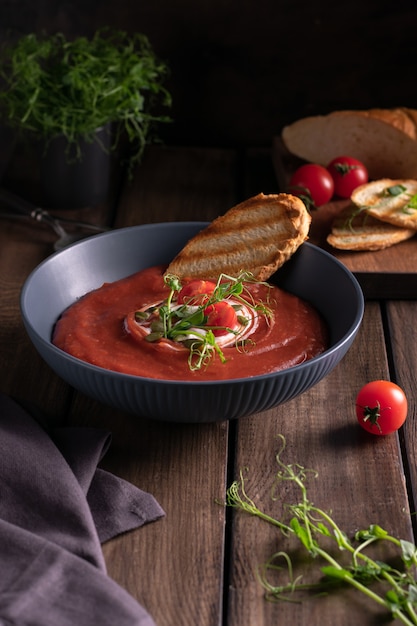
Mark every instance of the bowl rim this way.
pixel 205 383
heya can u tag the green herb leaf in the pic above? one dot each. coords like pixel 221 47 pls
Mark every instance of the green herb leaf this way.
pixel 412 594
pixel 393 600
pixel 409 552
pixel 395 190
pixel 335 572
pixel 322 528
pixel 412 203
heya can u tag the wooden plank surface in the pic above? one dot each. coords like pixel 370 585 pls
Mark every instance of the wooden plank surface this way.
pixel 389 273
pixel 22 247
pixel 360 481
pixel 174 567
pixel 197 565
pixel 179 185
pixel 402 318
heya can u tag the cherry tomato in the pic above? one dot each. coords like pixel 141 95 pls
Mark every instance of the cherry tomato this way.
pixel 313 184
pixel 196 292
pixel 381 407
pixel 221 314
pixel 347 173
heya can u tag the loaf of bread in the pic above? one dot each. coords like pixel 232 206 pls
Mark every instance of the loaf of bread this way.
pixel 385 140
pixel 256 236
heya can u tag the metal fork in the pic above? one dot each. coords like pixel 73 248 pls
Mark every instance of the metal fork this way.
pixel 21 207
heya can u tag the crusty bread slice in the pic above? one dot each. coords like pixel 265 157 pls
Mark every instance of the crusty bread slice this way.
pixel 355 229
pixel 385 200
pixel 257 236
pixel 385 140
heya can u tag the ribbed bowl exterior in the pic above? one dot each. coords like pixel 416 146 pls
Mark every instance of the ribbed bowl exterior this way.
pixel 340 301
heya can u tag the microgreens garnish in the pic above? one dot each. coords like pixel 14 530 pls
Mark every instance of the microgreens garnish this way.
pixel 203 350
pixel 244 345
pixel 310 525
pixel 188 323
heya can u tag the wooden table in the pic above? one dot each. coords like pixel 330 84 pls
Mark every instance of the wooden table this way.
pixel 197 566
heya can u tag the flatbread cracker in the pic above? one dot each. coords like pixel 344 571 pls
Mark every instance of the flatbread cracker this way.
pixel 356 229
pixel 392 201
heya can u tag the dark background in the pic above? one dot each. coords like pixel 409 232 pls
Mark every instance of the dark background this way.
pixel 241 69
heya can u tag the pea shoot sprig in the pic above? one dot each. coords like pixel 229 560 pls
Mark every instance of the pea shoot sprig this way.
pixel 188 323
pixel 310 525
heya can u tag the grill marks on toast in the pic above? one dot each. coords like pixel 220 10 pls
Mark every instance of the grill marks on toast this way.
pixel 256 236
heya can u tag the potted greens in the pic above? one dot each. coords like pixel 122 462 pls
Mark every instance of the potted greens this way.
pixel 81 97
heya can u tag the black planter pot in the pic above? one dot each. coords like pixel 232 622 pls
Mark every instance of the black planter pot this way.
pixel 70 181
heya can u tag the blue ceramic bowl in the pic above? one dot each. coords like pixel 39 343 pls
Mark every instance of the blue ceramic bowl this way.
pixel 311 274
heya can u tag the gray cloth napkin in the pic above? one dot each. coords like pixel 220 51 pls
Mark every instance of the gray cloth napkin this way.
pixel 56 508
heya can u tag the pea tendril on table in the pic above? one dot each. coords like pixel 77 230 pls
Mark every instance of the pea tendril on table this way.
pixel 310 525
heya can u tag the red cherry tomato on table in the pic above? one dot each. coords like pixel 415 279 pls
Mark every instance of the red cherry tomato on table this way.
pixel 221 314
pixel 313 184
pixel 347 173
pixel 381 407
pixel 196 292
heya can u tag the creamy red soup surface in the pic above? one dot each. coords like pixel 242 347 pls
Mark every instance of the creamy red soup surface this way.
pixel 147 326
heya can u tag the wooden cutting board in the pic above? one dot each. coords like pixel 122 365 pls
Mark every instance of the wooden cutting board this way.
pixel 383 274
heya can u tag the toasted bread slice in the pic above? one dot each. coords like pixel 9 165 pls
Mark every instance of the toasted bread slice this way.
pixel 256 236
pixel 355 229
pixel 389 200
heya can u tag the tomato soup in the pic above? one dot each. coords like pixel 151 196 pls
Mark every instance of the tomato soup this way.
pixel 100 329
